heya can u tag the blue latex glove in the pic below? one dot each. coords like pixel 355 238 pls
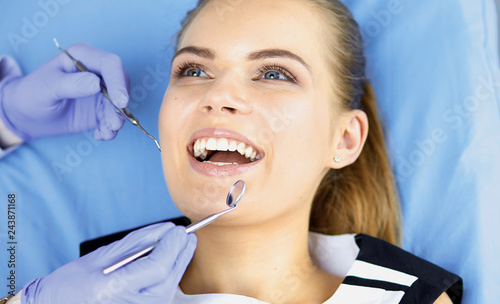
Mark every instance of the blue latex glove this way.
pixel 153 279
pixel 57 99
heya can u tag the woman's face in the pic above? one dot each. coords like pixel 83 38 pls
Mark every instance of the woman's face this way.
pixel 250 81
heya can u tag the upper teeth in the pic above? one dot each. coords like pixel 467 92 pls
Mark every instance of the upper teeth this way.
pixel 202 145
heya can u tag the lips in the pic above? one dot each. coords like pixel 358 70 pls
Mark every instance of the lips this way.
pixel 222 152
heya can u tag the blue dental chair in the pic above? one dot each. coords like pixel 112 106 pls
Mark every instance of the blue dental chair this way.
pixel 433 66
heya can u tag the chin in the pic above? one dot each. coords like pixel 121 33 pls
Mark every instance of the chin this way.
pixel 198 196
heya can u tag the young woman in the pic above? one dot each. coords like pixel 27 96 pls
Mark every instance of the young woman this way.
pixel 283 83
pixel 273 93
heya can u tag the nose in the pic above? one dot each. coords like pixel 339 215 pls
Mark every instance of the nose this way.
pixel 225 96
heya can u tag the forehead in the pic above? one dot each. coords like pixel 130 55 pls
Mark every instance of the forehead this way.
pixel 236 28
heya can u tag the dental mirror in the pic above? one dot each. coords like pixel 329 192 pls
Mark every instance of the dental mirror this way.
pixel 237 190
pixel 233 197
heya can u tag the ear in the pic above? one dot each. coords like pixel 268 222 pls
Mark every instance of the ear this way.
pixel 349 138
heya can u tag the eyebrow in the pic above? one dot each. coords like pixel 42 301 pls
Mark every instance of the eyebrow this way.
pixel 199 51
pixel 273 53
pixel 263 54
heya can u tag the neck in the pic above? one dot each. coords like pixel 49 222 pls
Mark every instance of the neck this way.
pixel 269 262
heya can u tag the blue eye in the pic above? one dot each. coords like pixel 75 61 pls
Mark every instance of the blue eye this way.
pixel 274 75
pixel 190 69
pixel 195 72
pixel 276 72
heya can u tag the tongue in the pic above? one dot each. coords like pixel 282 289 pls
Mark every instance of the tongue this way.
pixel 228 157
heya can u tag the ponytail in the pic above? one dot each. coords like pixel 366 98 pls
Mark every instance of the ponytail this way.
pixel 360 198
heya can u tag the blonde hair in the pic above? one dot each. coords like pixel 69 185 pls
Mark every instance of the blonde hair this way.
pixel 362 197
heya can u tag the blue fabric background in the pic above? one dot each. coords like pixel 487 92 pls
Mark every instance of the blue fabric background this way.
pixel 434 68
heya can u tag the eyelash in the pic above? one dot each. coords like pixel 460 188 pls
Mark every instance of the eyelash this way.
pixel 183 67
pixel 274 67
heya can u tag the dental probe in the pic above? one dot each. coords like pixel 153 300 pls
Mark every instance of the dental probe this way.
pixel 125 112
pixel 239 186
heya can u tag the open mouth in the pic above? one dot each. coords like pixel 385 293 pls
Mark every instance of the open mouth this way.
pixel 223 151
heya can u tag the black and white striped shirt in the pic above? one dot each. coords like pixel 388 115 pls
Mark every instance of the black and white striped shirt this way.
pixel 381 272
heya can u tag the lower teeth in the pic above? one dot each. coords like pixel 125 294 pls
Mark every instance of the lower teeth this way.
pixel 219 164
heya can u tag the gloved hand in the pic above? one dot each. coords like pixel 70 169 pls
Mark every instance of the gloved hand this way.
pixel 57 99
pixel 153 279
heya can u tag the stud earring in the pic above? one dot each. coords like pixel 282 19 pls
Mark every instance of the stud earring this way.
pixel 336 159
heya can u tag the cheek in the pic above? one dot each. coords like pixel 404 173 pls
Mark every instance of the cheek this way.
pixel 172 113
pixel 169 128
pixel 163 117
pixel 300 145
pixel 301 130
pixel 169 124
